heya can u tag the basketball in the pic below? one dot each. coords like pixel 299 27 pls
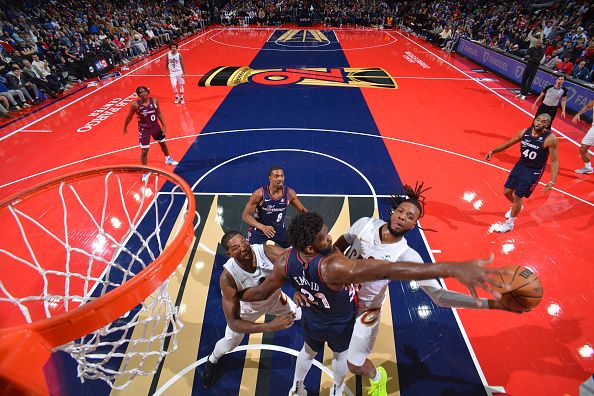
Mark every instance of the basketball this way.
pixel 526 289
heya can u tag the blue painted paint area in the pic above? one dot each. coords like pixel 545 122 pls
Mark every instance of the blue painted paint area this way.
pixel 61 370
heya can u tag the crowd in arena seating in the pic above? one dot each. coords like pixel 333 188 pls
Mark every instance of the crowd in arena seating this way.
pixel 565 27
pixel 46 46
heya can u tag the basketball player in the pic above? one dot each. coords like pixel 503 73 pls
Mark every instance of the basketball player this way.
pixel 326 278
pixel 174 67
pixel 537 143
pixel 551 95
pixel 266 210
pixel 375 238
pixel 587 141
pixel 149 114
pixel 247 267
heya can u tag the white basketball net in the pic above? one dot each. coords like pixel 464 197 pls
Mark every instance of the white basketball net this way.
pixel 102 244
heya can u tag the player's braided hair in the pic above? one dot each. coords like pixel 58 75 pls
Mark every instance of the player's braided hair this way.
pixel 413 195
pixel 304 228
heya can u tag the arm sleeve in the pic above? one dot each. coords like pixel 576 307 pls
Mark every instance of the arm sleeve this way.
pixel 355 229
pixel 564 92
pixel 442 297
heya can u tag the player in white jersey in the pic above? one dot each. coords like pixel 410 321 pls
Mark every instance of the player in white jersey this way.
pixel 374 238
pixel 174 67
pixel 248 266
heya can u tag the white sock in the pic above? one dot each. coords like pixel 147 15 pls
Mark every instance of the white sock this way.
pixel 511 220
pixel 304 361
pixel 168 157
pixel 588 165
pixel 377 376
pixel 181 91
pixel 339 367
pixel 225 345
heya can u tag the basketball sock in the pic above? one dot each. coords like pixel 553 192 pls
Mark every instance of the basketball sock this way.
pixel 588 165
pixel 339 366
pixel 377 376
pixel 304 361
pixel 225 345
pixel 511 220
pixel 167 157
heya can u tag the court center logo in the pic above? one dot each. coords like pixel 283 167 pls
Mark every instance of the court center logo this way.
pixel 356 77
pixel 303 38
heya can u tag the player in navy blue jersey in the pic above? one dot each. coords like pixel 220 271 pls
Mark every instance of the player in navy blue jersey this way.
pixel 326 278
pixel 537 144
pixel 149 114
pixel 266 210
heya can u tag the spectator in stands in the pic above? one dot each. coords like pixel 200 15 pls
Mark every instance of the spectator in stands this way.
pixel 4 106
pixel 16 80
pixel 42 68
pixel 550 62
pixel 565 66
pixel 10 94
pixel 581 72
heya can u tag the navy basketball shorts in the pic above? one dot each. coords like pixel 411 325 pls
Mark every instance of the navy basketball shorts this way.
pixel 257 237
pixel 523 180
pixel 337 335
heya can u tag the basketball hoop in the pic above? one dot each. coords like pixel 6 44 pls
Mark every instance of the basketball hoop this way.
pixel 84 261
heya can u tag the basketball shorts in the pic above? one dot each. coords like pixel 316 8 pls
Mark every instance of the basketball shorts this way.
pixel 364 335
pixel 282 306
pixel 144 137
pixel 523 180
pixel 588 140
pixel 257 237
pixel 337 335
pixel 176 78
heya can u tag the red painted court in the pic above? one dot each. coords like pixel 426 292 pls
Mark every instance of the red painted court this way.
pixel 437 127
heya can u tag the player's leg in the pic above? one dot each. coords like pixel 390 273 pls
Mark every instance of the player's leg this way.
pixel 361 344
pixel 173 79
pixel 181 83
pixel 160 137
pixel 587 142
pixel 338 336
pixel 223 346
pixel 313 343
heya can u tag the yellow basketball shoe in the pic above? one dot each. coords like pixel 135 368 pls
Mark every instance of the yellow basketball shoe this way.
pixel 378 388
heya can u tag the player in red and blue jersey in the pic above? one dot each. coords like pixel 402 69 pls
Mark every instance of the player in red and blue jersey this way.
pixel 537 144
pixel 149 114
pixel 326 278
pixel 266 210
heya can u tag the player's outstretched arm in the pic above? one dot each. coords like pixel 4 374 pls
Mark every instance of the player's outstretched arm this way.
pixel 231 309
pixel 505 145
pixel 272 283
pixel 576 118
pixel 473 273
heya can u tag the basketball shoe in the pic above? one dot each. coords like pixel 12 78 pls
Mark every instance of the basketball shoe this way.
pixel 583 170
pixel 504 227
pixel 176 100
pixel 171 161
pixel 378 388
pixel 209 375
pixel 508 213
pixel 298 389
pixel 182 101
pixel 336 391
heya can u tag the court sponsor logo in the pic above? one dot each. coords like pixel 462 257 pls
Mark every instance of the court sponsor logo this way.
pixel 519 71
pixel 409 56
pixel 104 112
pixel 231 76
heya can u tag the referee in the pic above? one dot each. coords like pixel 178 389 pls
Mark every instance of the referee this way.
pixel 551 96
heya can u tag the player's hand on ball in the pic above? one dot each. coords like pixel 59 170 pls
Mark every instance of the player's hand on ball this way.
pixel 281 322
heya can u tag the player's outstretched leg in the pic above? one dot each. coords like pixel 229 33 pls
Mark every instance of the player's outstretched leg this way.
pixel 223 346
